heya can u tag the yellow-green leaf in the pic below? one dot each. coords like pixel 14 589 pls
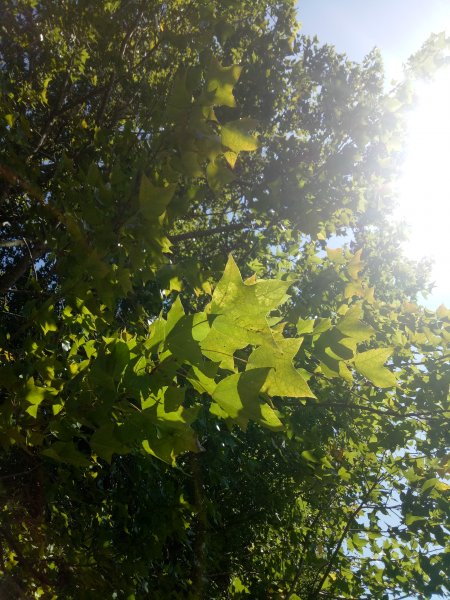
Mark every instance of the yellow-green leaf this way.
pixel 154 200
pixel 371 365
pixel 283 379
pixel 220 83
pixel 237 137
pixel 238 396
pixel 218 174
pixel 351 325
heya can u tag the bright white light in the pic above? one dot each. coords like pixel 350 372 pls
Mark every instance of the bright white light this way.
pixel 424 201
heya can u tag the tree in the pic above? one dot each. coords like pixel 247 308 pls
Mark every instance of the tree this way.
pixel 171 428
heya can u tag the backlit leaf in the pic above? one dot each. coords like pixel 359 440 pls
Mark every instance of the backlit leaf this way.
pixel 238 396
pixel 371 365
pixel 283 379
pixel 237 137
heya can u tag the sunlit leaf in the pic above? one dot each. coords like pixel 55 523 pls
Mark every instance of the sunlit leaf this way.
pixel 371 365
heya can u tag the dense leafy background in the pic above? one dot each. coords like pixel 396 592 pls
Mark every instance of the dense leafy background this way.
pixel 200 398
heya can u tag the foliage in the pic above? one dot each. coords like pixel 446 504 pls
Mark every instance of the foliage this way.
pixel 170 428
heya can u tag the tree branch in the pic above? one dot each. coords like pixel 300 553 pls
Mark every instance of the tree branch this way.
pixel 316 591
pixel 303 555
pixel 21 558
pixel 9 278
pixel 11 243
pixel 202 233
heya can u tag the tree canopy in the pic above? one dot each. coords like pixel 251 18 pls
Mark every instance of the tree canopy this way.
pixel 201 395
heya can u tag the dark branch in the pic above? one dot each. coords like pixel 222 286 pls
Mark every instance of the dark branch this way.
pixel 13 274
pixel 201 233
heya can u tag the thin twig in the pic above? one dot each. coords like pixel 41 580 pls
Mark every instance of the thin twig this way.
pixel 31 258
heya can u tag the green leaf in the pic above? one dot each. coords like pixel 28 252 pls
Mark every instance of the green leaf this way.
pixel 183 339
pixel 169 446
pixel 336 255
pixel 355 265
pixel 283 379
pixel 353 327
pixel 220 83
pixel 34 393
pixel 344 474
pixel 305 326
pixel 238 396
pixel 180 97
pixel 410 519
pixel 254 298
pixel 65 452
pixel 153 200
pixel 218 174
pixel 241 310
pixel 231 158
pixel 202 378
pixel 237 137
pixel 104 442
pixel 168 434
pixel 429 483
pixel 309 456
pixel 332 348
pixel 443 312
pixel 237 587
pixel 189 164
pixel 173 398
pixel 371 365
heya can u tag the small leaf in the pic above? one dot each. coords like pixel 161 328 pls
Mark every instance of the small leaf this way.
pixel 65 452
pixel 231 158
pixel 35 394
pixel 33 410
pixel 344 474
pixel 410 519
pixel 305 326
pixel 355 265
pixel 309 456
pixel 443 312
pixel 429 483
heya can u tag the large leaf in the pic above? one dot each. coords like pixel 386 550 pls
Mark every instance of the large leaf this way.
pixel 218 174
pixel 283 379
pixel 105 443
pixel 237 137
pixel 241 310
pixel 353 327
pixel 371 365
pixel 220 83
pixel 154 200
pixel 252 299
pixel 238 396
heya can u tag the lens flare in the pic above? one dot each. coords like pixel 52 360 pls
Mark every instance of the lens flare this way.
pixel 424 188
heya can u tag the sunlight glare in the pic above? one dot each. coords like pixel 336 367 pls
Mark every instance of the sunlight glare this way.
pixel 424 192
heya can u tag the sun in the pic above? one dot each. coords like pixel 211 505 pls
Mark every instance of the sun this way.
pixel 424 187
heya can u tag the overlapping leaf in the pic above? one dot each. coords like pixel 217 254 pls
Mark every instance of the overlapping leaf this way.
pixel 240 310
pixel 283 379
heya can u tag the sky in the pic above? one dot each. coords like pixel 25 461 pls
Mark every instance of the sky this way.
pixel 399 28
